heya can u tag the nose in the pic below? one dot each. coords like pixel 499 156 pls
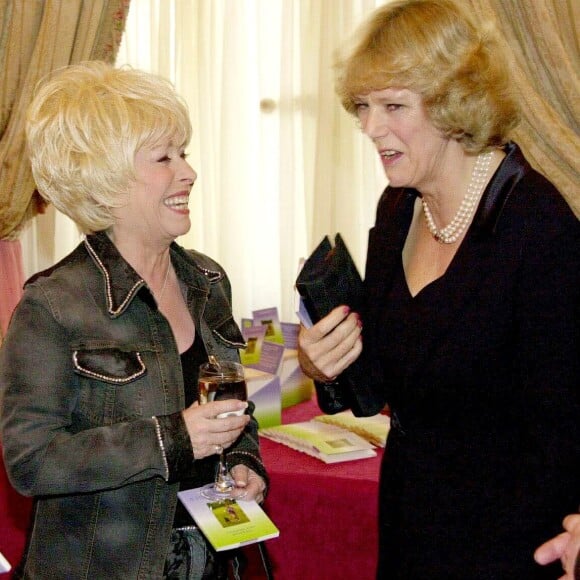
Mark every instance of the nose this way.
pixel 188 173
pixel 374 125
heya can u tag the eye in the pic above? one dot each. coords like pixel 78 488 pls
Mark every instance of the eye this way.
pixel 360 109
pixel 163 159
pixel 393 106
pixel 184 155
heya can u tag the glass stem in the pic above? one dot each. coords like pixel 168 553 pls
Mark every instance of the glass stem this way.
pixel 224 480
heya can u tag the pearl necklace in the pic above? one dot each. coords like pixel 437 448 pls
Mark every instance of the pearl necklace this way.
pixel 453 231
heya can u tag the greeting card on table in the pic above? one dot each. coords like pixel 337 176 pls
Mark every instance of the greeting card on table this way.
pixel 269 318
pixel 228 523
pixel 271 356
pixel 290 332
pixel 326 442
pixel 254 337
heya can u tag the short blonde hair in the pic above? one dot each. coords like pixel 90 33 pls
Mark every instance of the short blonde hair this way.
pixel 84 127
pixel 434 49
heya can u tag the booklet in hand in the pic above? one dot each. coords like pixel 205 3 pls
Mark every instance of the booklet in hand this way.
pixel 228 523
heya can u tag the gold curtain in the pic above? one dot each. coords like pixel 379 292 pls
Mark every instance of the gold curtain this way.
pixel 543 37
pixel 37 37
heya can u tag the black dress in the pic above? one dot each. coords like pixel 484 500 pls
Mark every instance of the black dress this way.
pixel 481 372
pixel 446 489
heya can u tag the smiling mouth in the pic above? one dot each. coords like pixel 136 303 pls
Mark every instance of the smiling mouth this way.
pixel 388 153
pixel 177 202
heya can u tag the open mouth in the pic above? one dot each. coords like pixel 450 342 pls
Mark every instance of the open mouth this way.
pixel 178 202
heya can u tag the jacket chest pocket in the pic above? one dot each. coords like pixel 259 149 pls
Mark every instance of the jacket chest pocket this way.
pixel 110 389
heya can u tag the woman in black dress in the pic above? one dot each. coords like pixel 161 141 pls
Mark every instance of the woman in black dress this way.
pixel 471 316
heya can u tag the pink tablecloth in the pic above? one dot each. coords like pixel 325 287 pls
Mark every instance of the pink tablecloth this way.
pixel 14 516
pixel 327 514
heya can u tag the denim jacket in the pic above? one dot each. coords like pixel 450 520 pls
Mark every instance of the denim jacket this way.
pixel 91 390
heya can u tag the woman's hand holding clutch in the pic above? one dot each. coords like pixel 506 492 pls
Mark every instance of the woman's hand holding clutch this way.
pixel 330 346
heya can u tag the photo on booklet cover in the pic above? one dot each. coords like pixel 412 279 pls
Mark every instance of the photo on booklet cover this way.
pixel 228 513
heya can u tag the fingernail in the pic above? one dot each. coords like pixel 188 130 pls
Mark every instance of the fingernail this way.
pixel 346 310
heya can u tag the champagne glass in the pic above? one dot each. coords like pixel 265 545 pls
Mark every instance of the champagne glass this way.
pixel 218 381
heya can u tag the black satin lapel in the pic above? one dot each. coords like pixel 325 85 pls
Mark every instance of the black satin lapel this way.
pixel 510 172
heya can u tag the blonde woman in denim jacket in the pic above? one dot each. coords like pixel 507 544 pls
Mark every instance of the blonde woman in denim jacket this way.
pixel 98 369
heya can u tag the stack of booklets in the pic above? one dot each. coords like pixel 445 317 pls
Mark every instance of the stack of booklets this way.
pixel 374 429
pixel 228 523
pixel 347 438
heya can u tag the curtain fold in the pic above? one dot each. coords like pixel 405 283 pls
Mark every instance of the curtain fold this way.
pixel 38 37
pixel 543 38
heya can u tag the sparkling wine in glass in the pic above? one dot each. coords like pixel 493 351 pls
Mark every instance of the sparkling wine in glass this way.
pixel 218 381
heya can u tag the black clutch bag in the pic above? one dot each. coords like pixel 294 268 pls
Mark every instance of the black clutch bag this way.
pixel 329 278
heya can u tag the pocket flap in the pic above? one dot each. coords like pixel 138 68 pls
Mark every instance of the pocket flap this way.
pixel 111 365
pixel 229 333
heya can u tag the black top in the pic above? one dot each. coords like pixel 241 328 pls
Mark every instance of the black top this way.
pixel 191 359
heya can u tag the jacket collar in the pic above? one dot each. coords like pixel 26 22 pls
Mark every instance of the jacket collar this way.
pixel 122 283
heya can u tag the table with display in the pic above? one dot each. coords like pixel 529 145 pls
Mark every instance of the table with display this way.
pixel 326 513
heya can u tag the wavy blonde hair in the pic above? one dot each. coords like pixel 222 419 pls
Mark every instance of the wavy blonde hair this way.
pixel 433 48
pixel 84 127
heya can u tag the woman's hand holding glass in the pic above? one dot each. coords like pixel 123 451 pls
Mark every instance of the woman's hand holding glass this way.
pixel 249 485
pixel 207 433
pixel 331 345
pixel 218 381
